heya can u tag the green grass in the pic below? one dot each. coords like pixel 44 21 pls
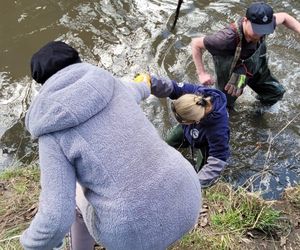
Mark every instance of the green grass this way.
pixel 203 240
pixel 20 188
pixel 243 213
pixel 228 214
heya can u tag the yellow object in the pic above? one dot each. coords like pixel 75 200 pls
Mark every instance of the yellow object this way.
pixel 241 81
pixel 142 77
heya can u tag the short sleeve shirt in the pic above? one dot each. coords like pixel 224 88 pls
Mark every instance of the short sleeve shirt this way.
pixel 225 41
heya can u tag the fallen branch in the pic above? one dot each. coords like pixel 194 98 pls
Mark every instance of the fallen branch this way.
pixel 11 238
pixel 177 13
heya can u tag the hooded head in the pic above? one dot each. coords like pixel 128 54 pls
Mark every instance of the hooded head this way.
pixel 73 92
pixel 51 58
pixel 190 108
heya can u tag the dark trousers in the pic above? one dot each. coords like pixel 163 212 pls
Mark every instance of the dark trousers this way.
pixel 268 89
pixel 80 236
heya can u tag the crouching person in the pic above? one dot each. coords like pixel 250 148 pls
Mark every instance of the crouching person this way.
pixel 203 125
pixel 134 190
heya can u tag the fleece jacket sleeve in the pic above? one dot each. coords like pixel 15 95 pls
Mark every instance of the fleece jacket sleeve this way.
pixel 56 210
pixel 140 91
pixel 211 171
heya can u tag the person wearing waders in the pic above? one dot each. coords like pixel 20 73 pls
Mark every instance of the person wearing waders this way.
pixel 104 167
pixel 203 125
pixel 239 55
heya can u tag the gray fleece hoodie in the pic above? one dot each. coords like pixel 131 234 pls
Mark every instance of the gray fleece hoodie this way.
pixel 143 193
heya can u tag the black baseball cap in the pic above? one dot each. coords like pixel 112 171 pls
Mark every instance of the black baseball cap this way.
pixel 261 17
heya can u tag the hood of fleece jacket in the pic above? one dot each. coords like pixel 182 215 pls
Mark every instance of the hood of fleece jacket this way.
pixel 68 98
pixel 219 106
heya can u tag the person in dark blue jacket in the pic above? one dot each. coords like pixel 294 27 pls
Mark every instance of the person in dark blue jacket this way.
pixel 203 124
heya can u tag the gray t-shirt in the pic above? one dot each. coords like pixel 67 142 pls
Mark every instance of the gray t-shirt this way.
pixel 224 42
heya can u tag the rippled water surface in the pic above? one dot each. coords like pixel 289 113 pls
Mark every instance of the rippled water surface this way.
pixel 125 37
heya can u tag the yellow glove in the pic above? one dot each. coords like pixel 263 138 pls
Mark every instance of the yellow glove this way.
pixel 142 77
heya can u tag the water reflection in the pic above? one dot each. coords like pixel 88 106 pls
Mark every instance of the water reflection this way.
pixel 125 37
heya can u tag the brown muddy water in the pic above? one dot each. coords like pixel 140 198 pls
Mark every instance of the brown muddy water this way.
pixel 125 37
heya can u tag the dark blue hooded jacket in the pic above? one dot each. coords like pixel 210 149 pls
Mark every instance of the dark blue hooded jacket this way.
pixel 213 129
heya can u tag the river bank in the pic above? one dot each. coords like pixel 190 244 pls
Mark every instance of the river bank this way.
pixel 126 37
pixel 230 219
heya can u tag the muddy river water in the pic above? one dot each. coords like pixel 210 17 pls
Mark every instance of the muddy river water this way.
pixel 126 37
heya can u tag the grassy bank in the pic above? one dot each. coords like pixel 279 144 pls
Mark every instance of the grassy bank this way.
pixel 230 219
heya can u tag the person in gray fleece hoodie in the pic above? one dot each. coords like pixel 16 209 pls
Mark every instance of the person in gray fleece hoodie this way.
pixel 139 193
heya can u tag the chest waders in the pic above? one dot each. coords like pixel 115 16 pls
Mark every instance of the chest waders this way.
pixel 259 77
pixel 176 139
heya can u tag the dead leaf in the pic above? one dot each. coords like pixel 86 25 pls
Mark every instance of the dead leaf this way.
pixel 258 146
pixel 264 245
pixel 247 241
pixel 2 186
pixel 203 221
pixel 220 210
pixel 30 213
pixel 204 210
pixel 250 235
pixel 283 241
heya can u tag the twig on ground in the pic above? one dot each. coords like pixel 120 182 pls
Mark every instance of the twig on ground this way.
pixel 10 238
pixel 260 213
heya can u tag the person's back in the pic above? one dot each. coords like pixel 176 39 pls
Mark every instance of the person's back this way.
pixel 142 193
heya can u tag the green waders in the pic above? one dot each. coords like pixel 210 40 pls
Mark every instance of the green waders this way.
pixel 267 87
pixel 176 139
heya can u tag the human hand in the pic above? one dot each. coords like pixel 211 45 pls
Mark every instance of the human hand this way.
pixel 236 84
pixel 233 90
pixel 206 79
pixel 142 77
